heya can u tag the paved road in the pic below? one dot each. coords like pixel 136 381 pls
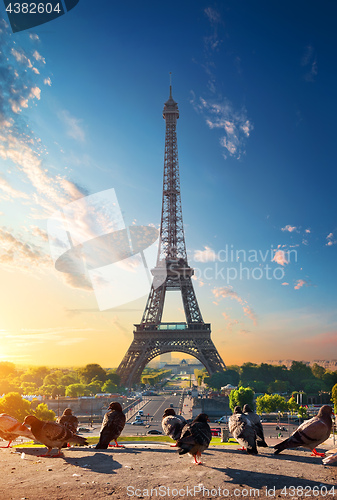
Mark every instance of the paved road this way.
pixel 153 408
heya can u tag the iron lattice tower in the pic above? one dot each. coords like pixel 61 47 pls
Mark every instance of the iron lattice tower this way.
pixel 172 272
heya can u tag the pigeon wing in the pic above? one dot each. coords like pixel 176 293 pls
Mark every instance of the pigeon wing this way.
pixel 112 426
pixel 172 426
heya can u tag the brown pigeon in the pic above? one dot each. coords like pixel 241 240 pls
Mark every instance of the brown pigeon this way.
pixel 243 431
pixel 10 429
pixel 68 420
pixel 256 423
pixel 112 426
pixel 310 434
pixel 52 435
pixel 195 437
pixel 332 456
pixel 172 424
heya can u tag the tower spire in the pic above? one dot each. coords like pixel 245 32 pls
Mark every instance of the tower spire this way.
pixel 170 85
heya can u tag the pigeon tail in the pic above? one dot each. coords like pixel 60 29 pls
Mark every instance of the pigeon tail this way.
pixel 252 450
pixel 78 439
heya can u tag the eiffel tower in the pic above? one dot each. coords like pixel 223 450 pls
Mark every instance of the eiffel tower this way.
pixel 172 272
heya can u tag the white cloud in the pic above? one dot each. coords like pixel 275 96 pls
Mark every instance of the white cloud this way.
pixel 206 255
pixel 18 254
pixel 280 257
pixel 73 126
pixel 9 192
pixel 38 57
pixel 228 292
pixel 330 240
pixel 47 81
pixel 299 284
pixel 309 62
pixel 223 116
pixel 289 228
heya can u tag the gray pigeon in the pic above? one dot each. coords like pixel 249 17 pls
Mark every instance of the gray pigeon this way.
pixel 11 428
pixel 310 434
pixel 172 424
pixel 68 420
pixel 112 426
pixel 243 430
pixel 52 435
pixel 195 437
pixel 256 422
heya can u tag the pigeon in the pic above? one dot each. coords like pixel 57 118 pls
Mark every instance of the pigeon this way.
pixel 256 423
pixel 172 424
pixel 310 434
pixel 68 420
pixel 242 429
pixel 112 426
pixel 331 458
pixel 11 428
pixel 52 435
pixel 195 437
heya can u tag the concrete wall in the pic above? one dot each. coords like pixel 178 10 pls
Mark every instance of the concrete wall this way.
pixel 216 407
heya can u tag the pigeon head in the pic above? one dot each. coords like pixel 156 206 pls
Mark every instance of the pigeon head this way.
pixel 31 420
pixel 247 409
pixel 202 417
pixel 325 411
pixel 68 411
pixel 168 411
pixel 237 410
pixel 114 405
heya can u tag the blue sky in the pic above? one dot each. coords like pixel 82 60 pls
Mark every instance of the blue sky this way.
pixel 81 112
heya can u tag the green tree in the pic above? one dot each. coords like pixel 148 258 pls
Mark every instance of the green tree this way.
pixel 6 368
pixel 35 374
pixel 299 372
pixel 29 388
pixel 240 397
pixel 68 378
pixel 8 386
pixel 47 390
pixel 91 371
pixel 334 397
pixel 292 405
pixel 258 386
pixel 15 406
pixel 76 390
pixel 94 387
pixel 43 413
pixel 317 371
pixel 113 377
pixel 50 379
pixel 302 412
pixel 330 379
pixel 278 386
pixel 270 403
pixel 109 386
pixel 58 390
pixel 248 373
